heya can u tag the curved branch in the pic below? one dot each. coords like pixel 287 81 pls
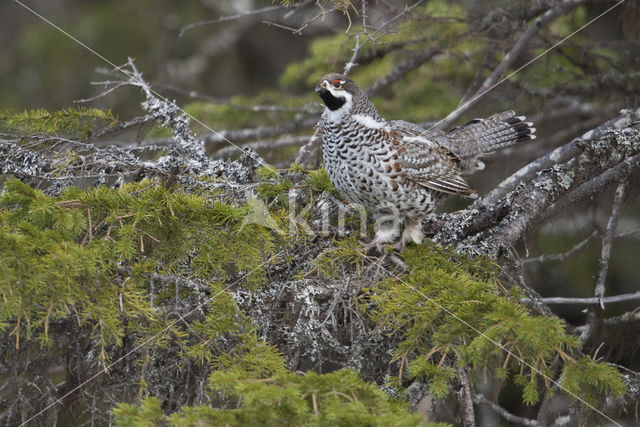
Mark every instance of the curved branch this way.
pixel 560 9
pixel 559 155
pixel 583 166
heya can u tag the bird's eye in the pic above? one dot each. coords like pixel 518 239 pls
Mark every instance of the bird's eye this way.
pixel 336 83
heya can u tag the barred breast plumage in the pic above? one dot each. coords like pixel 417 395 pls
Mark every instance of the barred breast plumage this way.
pixel 395 169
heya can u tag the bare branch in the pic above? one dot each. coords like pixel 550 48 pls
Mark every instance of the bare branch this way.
pixel 137 121
pixel 405 11
pixel 604 153
pixel 114 86
pixel 241 135
pixel 285 141
pixel 590 300
pixel 513 54
pixel 564 255
pixel 298 31
pixel 370 37
pixel 310 153
pixel 559 155
pixel 364 16
pixel 479 398
pixel 311 108
pixel 607 241
pixel 238 15
pixel 352 62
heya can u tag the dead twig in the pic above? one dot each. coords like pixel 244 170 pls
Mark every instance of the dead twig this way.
pixel 479 398
pixel 607 242
pixel 239 15
pixel 493 80
pixel 564 255
pixel 589 300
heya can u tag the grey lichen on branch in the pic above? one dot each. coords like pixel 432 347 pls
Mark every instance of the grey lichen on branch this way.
pixel 322 301
pixel 168 115
pixel 583 168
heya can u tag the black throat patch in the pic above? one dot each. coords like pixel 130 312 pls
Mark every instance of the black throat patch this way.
pixel 331 101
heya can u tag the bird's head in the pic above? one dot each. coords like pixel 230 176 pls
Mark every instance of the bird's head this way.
pixel 337 92
pixel 343 96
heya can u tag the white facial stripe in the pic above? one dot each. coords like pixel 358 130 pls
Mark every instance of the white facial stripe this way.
pixel 335 92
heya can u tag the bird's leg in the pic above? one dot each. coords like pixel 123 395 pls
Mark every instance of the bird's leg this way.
pixel 400 245
pixel 382 236
pixel 372 244
pixel 412 233
pixel 387 232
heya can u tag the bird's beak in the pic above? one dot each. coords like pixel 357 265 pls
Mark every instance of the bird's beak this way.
pixel 321 90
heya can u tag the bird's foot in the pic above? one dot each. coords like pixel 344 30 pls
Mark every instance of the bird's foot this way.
pixel 400 245
pixel 373 244
pixel 381 248
pixel 397 261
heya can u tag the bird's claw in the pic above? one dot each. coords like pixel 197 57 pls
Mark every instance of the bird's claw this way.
pixel 399 246
pixel 372 244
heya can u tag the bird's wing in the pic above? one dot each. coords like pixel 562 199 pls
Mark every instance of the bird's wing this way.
pixel 426 162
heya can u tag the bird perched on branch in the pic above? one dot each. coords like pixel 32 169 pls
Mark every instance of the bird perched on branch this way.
pixel 397 170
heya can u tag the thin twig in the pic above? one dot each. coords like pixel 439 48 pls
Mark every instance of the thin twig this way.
pixel 576 247
pixel 238 15
pixel 513 54
pixel 588 300
pixel 364 16
pixel 406 10
pixel 308 22
pixel 114 86
pixel 607 241
pixel 285 141
pixel 479 398
pixel 310 108
pixel 562 256
pixel 352 62
pixel 371 36
pixel 241 135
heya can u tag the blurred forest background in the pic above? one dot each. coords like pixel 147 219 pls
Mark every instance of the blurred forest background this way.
pixel 247 72
pixel 247 69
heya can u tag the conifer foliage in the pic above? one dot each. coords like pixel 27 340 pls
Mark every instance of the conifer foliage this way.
pixel 156 279
pixel 151 270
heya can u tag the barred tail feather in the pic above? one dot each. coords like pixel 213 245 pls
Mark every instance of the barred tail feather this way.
pixel 481 136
